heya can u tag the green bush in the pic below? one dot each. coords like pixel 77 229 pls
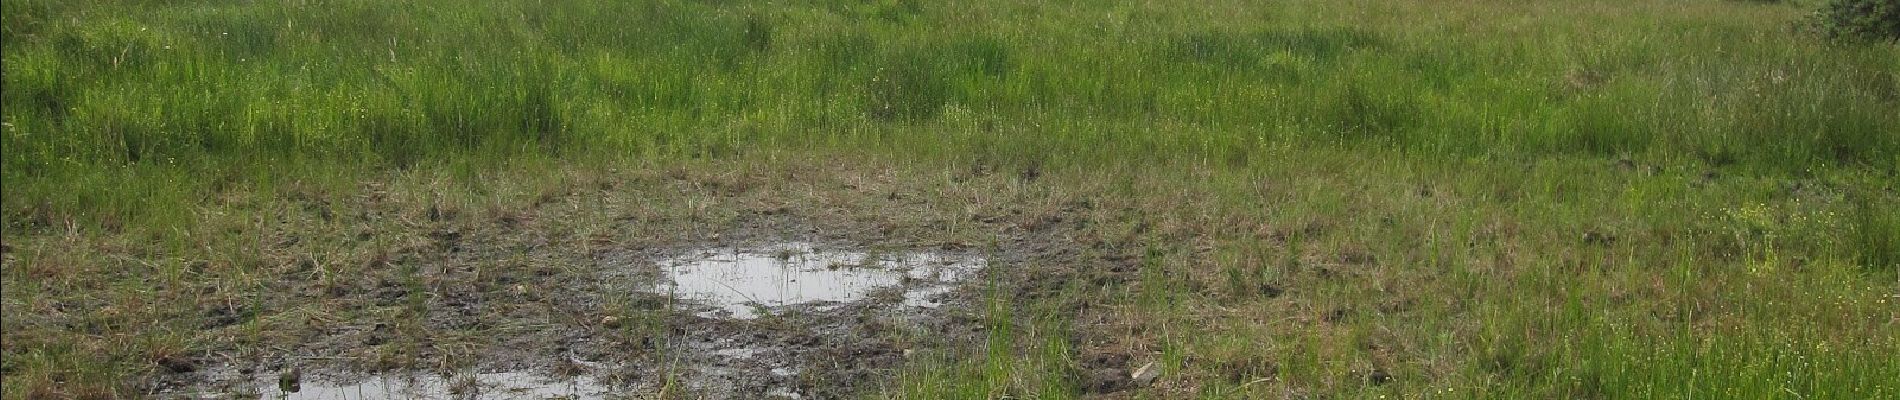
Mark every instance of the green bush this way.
pixel 1861 19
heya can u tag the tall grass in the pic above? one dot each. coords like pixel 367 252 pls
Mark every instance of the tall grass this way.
pixel 103 84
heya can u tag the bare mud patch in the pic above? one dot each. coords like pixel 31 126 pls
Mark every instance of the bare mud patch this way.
pixel 742 319
pixel 479 386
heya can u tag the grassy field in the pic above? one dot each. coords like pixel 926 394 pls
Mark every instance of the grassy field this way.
pixel 1317 199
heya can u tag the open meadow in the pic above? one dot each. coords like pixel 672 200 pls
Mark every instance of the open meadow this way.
pixel 1303 199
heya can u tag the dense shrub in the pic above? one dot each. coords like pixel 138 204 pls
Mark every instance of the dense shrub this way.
pixel 1861 19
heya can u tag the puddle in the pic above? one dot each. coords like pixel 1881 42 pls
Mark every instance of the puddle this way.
pixel 836 306
pixel 501 385
pixel 740 283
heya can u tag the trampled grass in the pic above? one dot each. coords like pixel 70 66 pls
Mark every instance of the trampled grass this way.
pixel 1487 199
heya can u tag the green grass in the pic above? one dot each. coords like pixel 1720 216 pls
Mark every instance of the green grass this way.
pixel 1488 199
pixel 110 83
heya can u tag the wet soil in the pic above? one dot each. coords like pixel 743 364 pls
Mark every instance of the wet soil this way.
pixel 581 290
pixel 754 315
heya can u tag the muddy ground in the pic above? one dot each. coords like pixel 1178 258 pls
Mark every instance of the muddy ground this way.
pixel 563 289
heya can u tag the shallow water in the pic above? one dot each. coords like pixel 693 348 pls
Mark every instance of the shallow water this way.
pixel 501 385
pixel 741 282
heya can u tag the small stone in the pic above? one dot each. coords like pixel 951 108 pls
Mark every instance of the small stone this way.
pixel 1145 375
pixel 611 322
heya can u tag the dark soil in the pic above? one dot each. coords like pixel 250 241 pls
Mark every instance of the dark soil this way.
pixel 440 308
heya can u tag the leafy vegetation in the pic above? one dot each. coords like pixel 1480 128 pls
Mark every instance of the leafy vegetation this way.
pixel 1861 19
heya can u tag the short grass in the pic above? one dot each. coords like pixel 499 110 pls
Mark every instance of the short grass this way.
pixel 1487 199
